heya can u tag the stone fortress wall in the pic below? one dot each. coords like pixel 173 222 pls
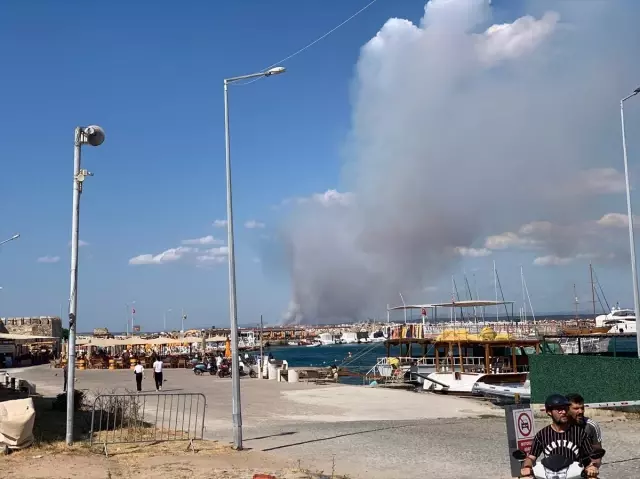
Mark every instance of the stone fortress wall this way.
pixel 37 326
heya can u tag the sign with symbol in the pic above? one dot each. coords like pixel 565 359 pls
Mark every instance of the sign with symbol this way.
pixel 523 419
pixel 136 329
pixel 424 312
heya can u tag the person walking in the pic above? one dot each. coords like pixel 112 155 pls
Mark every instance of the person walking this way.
pixel 138 370
pixel 157 373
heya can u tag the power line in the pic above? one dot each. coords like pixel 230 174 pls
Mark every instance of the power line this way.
pixel 306 47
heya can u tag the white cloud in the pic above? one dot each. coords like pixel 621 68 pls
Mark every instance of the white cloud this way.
pixel 506 240
pixel 253 224
pixel 457 135
pixel 48 259
pixel 513 40
pixel 601 181
pixel 330 197
pixel 80 243
pixel 220 223
pixel 169 256
pixel 569 242
pixel 472 252
pixel 213 255
pixel 617 220
pixel 552 260
pixel 205 240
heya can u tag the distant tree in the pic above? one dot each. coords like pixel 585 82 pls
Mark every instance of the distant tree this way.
pixel 65 334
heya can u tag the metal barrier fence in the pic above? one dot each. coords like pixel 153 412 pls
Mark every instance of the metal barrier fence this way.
pixel 151 417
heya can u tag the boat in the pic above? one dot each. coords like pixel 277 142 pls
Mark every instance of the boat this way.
pixel 584 328
pixel 315 344
pixel 349 338
pixel 467 360
pixel 619 320
pixel 293 343
pixel 326 339
pixel 503 393
pixel 454 360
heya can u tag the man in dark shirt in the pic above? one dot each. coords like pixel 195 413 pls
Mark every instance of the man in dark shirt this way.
pixel 559 438
pixel 591 427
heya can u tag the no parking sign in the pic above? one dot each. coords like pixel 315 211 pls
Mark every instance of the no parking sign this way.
pixel 520 432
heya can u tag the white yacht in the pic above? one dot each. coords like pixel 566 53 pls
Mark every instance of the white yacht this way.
pixel 326 339
pixel 622 321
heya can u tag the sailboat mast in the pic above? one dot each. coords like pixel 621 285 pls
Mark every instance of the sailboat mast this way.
pixel 524 298
pixel 593 289
pixel 475 285
pixel 495 285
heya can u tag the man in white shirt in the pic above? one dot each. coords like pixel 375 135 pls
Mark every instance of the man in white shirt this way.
pixel 157 373
pixel 138 370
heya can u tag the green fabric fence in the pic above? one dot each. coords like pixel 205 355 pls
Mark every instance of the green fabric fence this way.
pixel 596 378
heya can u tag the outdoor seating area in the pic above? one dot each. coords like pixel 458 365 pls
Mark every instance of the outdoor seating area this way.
pixel 112 353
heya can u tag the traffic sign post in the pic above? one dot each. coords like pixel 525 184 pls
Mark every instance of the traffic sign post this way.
pixel 520 432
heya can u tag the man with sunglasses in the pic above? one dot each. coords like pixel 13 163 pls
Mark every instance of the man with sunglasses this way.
pixel 561 437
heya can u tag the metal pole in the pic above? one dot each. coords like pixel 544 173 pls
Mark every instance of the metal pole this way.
pixel 593 290
pixel 636 298
pixel 14 237
pixel 261 351
pixel 404 306
pixel 126 316
pixel 233 305
pixel 73 295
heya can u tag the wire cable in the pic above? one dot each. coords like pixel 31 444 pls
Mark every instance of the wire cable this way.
pixel 306 47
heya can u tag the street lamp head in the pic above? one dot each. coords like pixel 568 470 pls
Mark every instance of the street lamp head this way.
pixel 275 71
pixel 16 236
pixel 637 90
pixel 94 135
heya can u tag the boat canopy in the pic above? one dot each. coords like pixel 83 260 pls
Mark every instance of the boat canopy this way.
pixel 412 306
pixel 453 304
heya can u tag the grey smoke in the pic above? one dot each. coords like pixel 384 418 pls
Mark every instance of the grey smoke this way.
pixel 461 129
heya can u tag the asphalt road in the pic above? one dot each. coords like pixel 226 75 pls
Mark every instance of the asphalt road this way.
pixel 367 433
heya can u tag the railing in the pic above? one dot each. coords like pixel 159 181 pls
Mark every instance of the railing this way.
pixel 140 418
pixel 384 367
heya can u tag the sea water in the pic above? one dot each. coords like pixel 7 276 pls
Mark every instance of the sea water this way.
pixel 363 357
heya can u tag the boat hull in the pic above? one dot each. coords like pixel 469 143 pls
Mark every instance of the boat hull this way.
pixel 463 383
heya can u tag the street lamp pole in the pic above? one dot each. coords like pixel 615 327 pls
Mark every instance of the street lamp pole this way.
pixel 94 136
pixel 14 237
pixel 233 306
pixel 632 243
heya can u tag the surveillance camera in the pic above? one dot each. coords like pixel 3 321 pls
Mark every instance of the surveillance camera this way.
pixel 94 135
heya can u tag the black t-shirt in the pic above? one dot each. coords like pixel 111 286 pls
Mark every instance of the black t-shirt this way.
pixel 572 444
pixel 592 429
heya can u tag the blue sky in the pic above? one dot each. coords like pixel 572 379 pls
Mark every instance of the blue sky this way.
pixel 152 77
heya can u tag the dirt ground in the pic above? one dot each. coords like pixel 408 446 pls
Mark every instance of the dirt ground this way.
pixel 160 460
pixel 49 458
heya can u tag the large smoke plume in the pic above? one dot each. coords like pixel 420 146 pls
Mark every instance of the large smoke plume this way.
pixel 460 129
